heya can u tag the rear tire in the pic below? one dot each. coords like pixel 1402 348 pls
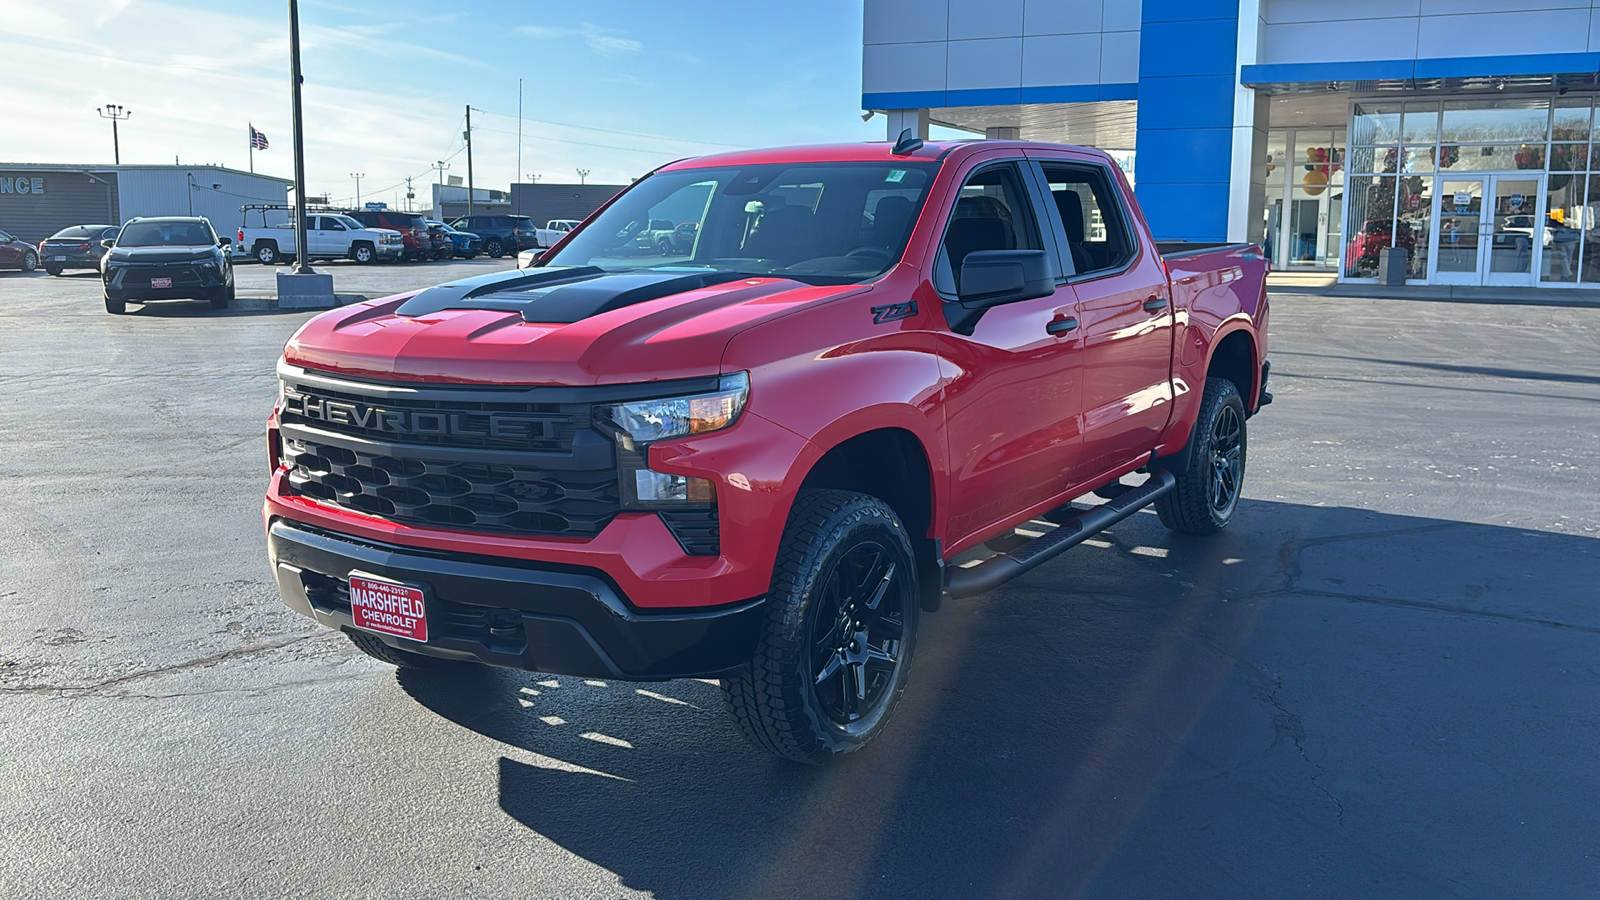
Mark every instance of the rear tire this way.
pixel 53 270
pixel 1208 492
pixel 403 659
pixel 114 306
pixel 833 656
pixel 494 248
pixel 266 254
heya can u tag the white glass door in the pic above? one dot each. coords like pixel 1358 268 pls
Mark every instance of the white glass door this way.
pixel 1488 230
pixel 1517 232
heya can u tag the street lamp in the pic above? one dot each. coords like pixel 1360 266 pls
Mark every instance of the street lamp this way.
pixel 115 113
pixel 438 191
pixel 582 174
pixel 358 176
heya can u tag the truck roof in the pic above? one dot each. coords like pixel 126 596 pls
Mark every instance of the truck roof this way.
pixel 876 151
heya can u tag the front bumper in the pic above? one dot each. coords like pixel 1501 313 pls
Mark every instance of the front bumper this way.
pixel 563 620
pixel 388 251
pixel 189 281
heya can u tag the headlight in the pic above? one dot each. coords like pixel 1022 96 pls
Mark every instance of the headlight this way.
pixel 639 424
pixel 389 238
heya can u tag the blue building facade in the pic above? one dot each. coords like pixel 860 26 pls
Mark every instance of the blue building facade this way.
pixel 1457 132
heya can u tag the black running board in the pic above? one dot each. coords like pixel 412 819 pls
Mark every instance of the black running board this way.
pixel 1074 530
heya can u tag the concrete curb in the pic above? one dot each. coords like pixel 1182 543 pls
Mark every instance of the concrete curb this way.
pixel 260 300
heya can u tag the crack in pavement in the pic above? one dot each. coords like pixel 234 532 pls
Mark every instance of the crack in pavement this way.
pixel 1288 725
pixel 83 690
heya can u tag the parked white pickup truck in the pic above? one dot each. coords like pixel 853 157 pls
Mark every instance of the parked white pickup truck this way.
pixel 554 230
pixel 328 236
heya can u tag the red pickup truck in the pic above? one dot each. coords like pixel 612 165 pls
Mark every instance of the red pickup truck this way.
pixel 762 459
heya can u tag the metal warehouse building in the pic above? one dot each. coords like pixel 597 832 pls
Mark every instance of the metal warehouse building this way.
pixel 37 200
pixel 1462 136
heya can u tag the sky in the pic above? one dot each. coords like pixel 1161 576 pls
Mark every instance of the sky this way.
pixel 616 87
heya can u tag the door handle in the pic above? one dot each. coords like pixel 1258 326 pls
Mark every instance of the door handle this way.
pixel 1155 303
pixel 1062 326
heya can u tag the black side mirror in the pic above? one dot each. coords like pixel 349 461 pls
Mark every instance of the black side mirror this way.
pixel 107 243
pixel 224 242
pixel 994 278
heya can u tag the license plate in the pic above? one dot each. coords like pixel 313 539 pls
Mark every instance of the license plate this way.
pixel 58 259
pixel 161 282
pixel 388 608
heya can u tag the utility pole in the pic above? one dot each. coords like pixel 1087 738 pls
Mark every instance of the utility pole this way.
pixel 115 113
pixel 438 193
pixel 582 174
pixel 409 194
pixel 358 176
pixel 468 136
pixel 302 265
pixel 518 210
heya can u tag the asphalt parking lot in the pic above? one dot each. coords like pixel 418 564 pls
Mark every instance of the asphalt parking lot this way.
pixel 1382 681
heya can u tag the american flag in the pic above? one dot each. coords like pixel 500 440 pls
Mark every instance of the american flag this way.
pixel 258 141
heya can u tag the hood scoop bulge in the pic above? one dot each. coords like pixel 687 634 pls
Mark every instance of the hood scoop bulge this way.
pixel 561 295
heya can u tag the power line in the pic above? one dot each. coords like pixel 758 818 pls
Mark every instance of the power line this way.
pixel 662 137
pixel 579 143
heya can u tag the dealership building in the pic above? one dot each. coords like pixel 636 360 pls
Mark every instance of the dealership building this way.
pixel 37 200
pixel 1460 135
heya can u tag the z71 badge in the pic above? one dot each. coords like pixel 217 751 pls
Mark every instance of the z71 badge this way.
pixel 882 314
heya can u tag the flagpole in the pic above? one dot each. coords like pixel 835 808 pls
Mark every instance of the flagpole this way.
pixel 252 148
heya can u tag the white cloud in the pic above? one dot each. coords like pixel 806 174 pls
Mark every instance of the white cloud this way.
pixel 604 41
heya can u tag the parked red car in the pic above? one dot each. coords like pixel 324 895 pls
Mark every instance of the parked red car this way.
pixel 416 240
pixel 17 254
pixel 758 463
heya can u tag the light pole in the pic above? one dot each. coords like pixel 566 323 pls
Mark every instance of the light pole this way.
pixel 582 174
pixel 438 191
pixel 115 113
pixel 358 176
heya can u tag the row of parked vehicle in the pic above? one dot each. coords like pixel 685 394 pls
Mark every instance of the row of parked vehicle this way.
pixel 383 235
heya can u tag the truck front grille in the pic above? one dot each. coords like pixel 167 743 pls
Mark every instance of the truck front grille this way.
pixel 450 459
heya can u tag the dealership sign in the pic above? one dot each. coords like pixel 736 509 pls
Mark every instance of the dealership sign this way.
pixel 20 185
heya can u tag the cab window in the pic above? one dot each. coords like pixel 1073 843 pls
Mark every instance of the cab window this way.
pixel 1091 217
pixel 992 212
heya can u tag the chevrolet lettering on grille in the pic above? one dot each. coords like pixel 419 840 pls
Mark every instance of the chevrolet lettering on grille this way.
pixel 416 421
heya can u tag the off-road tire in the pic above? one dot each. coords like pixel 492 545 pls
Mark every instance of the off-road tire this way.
pixel 114 306
pixel 494 248
pixel 775 698
pixel 363 254
pixel 404 659
pixel 30 261
pixel 265 253
pixel 1195 505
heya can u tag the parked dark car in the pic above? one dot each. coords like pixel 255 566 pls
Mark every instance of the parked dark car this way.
pixel 501 234
pixel 15 254
pixel 415 241
pixel 168 258
pixel 466 245
pixel 77 247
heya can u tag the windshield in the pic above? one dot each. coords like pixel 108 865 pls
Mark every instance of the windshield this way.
pixel 821 223
pixel 165 234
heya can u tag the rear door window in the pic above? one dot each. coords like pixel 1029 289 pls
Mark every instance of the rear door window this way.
pixel 1091 217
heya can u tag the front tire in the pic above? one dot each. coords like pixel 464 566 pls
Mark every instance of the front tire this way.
pixel 30 261
pixel 362 254
pixel 116 306
pixel 223 298
pixel 1208 492
pixel 835 651
pixel 494 248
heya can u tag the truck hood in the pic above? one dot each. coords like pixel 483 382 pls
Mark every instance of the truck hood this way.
pixel 552 326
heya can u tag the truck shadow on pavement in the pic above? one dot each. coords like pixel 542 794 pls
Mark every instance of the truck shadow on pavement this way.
pixel 1319 696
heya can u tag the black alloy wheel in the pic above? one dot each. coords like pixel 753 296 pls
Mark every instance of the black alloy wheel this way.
pixel 835 650
pixel 1208 490
pixel 857 634
pixel 494 248
pixel 1227 461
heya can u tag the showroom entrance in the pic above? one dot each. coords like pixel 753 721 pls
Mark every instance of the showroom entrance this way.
pixel 1490 230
